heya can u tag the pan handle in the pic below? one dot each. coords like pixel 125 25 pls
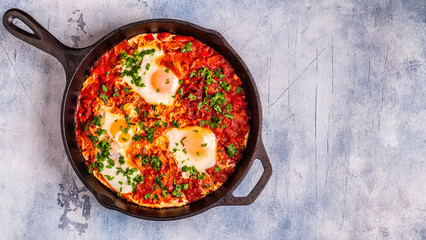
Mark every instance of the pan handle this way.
pixel 70 58
pixel 259 153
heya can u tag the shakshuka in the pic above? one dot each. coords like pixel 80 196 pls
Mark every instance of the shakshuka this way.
pixel 162 120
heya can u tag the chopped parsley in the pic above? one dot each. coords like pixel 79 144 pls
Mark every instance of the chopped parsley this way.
pixel 152 161
pixel 108 177
pixel 192 170
pixel 137 110
pixel 217 108
pixel 156 163
pixel 231 150
pixel 150 134
pixel 228 107
pixel 167 70
pixel 121 160
pixel 207 74
pixel 188 48
pixel 201 104
pixel 139 179
pixel 230 116
pixel 126 173
pixel 201 176
pixel 176 191
pixel 218 74
pixel 193 74
pixel 147 196
pixel 225 86
pixel 125 130
pixel 175 124
pixel 101 156
pixel 145 159
pixel 141 125
pixel 136 138
pixel 110 162
pixel 103 97
pixel 158 179
pixel 238 90
pixel 157 123
pixel 87 124
pixel 192 97
pixel 100 131
pixel 116 94
pixel 97 120
pixel 126 90
pixel 104 88
pixel 180 91
pixel 147 66
pixel 181 141
pixel 217 100
pixel 155 197
pixel 217 169
pixel 93 138
pixel 214 123
pixel 132 65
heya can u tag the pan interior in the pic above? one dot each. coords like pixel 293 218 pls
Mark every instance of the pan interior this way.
pixel 105 196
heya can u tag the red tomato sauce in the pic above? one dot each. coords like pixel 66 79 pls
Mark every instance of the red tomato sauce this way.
pixel 231 130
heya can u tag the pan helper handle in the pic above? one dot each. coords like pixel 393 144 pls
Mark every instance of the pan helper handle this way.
pixel 43 39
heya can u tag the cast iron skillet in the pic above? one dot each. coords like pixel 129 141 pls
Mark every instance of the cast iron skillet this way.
pixel 77 64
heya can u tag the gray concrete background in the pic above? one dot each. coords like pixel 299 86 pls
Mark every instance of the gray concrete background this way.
pixel 343 94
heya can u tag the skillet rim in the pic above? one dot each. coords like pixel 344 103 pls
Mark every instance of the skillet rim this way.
pixel 104 202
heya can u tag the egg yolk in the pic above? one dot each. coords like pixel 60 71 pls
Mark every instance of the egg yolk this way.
pixel 194 143
pixel 116 130
pixel 161 81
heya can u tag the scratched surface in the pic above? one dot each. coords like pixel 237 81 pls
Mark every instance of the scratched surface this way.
pixel 342 85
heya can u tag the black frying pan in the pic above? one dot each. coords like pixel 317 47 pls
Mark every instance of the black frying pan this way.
pixel 77 64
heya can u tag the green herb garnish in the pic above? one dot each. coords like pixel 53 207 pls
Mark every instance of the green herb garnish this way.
pixel 232 150
pixel 97 120
pixel 104 88
pixel 188 48
pixel 103 97
pixel 192 97
pixel 175 124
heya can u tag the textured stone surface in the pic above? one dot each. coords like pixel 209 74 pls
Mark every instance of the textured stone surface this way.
pixel 343 93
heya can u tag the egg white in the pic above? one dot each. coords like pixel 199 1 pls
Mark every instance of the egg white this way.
pixel 108 120
pixel 148 92
pixel 119 181
pixel 182 139
pixel 118 149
